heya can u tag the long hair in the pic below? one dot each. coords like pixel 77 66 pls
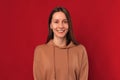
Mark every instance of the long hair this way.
pixel 69 35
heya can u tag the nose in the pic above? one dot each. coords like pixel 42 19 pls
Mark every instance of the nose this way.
pixel 61 25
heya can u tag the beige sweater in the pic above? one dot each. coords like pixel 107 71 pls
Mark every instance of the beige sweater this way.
pixel 60 63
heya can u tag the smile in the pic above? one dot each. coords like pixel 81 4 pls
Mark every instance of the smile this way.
pixel 60 31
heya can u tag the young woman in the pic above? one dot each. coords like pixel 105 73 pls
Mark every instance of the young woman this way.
pixel 61 57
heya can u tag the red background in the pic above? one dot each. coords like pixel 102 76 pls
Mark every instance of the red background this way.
pixel 23 26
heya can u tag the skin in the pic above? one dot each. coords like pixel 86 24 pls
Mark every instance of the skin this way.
pixel 59 25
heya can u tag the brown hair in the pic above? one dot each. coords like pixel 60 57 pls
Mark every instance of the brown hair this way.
pixel 69 35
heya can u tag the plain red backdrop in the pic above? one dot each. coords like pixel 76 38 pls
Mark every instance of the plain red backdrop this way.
pixel 23 25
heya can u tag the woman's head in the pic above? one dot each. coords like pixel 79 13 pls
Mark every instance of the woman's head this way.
pixel 60 25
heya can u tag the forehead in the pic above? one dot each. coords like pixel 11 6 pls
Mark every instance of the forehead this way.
pixel 59 15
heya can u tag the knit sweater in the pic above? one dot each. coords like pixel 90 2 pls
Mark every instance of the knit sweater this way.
pixel 52 62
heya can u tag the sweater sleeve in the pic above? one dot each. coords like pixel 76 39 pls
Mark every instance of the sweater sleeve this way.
pixel 36 64
pixel 84 65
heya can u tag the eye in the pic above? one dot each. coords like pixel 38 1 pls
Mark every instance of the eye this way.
pixel 56 21
pixel 65 21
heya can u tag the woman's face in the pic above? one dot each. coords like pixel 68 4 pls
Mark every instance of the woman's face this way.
pixel 59 25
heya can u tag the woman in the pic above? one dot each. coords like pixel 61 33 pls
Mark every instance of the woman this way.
pixel 61 58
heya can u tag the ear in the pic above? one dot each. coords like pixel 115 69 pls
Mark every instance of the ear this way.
pixel 51 26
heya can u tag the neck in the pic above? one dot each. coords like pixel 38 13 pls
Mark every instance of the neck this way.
pixel 59 41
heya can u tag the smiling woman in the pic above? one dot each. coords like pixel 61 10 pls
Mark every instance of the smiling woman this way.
pixel 59 25
pixel 61 57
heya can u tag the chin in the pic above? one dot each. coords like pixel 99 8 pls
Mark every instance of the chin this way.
pixel 60 36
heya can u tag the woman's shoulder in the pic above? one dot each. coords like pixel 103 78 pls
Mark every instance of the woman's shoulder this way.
pixel 81 49
pixel 40 47
pixel 81 46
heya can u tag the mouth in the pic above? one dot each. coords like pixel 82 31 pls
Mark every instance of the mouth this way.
pixel 61 31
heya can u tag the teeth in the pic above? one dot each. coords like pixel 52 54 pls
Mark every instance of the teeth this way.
pixel 60 30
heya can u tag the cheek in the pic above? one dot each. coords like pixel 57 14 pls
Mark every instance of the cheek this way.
pixel 66 27
pixel 53 26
